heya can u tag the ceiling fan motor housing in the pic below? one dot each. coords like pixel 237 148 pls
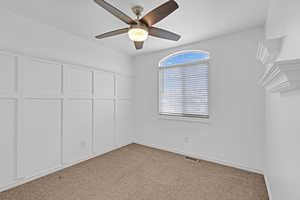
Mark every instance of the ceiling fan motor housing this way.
pixel 140 28
pixel 137 10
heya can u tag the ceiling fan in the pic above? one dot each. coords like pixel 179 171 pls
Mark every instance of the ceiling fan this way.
pixel 140 28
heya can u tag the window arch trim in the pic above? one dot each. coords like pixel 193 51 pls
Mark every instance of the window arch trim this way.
pixel 205 60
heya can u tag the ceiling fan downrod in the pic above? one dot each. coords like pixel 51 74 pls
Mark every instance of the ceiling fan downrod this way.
pixel 137 10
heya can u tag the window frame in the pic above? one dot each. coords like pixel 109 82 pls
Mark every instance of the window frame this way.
pixel 184 117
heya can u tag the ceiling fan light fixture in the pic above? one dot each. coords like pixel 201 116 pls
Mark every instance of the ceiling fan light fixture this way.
pixel 140 28
pixel 138 33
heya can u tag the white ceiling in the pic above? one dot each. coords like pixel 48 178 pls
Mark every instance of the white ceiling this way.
pixel 194 20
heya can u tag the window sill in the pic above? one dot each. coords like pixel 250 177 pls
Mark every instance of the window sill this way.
pixel 186 119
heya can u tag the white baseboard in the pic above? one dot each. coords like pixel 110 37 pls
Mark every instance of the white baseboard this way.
pixel 23 180
pixel 268 186
pixel 226 163
pixel 206 158
pixel 50 171
pixel 20 181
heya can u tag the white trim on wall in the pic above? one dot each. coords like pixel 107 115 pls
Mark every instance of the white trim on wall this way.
pixel 282 76
pixel 61 62
pixel 20 181
pixel 205 158
pixel 268 186
pixel 63 96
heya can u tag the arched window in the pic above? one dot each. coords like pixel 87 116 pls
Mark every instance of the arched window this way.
pixel 183 84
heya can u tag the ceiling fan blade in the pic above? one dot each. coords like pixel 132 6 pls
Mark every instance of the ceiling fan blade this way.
pixel 138 45
pixel 159 13
pixel 161 33
pixel 112 33
pixel 116 12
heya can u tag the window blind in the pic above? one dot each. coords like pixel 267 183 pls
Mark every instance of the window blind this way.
pixel 183 90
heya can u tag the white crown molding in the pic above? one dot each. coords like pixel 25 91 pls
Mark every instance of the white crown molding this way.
pixel 269 50
pixel 282 76
pixel 279 76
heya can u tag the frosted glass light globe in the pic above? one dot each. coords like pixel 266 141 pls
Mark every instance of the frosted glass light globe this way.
pixel 138 34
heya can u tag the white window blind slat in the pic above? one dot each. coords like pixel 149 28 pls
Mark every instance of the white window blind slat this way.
pixel 183 90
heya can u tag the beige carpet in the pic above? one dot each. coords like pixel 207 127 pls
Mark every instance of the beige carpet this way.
pixel 136 172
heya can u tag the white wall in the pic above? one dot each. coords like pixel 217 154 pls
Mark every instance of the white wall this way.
pixel 282 160
pixel 283 20
pixel 282 149
pixel 234 134
pixel 55 113
pixel 27 36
